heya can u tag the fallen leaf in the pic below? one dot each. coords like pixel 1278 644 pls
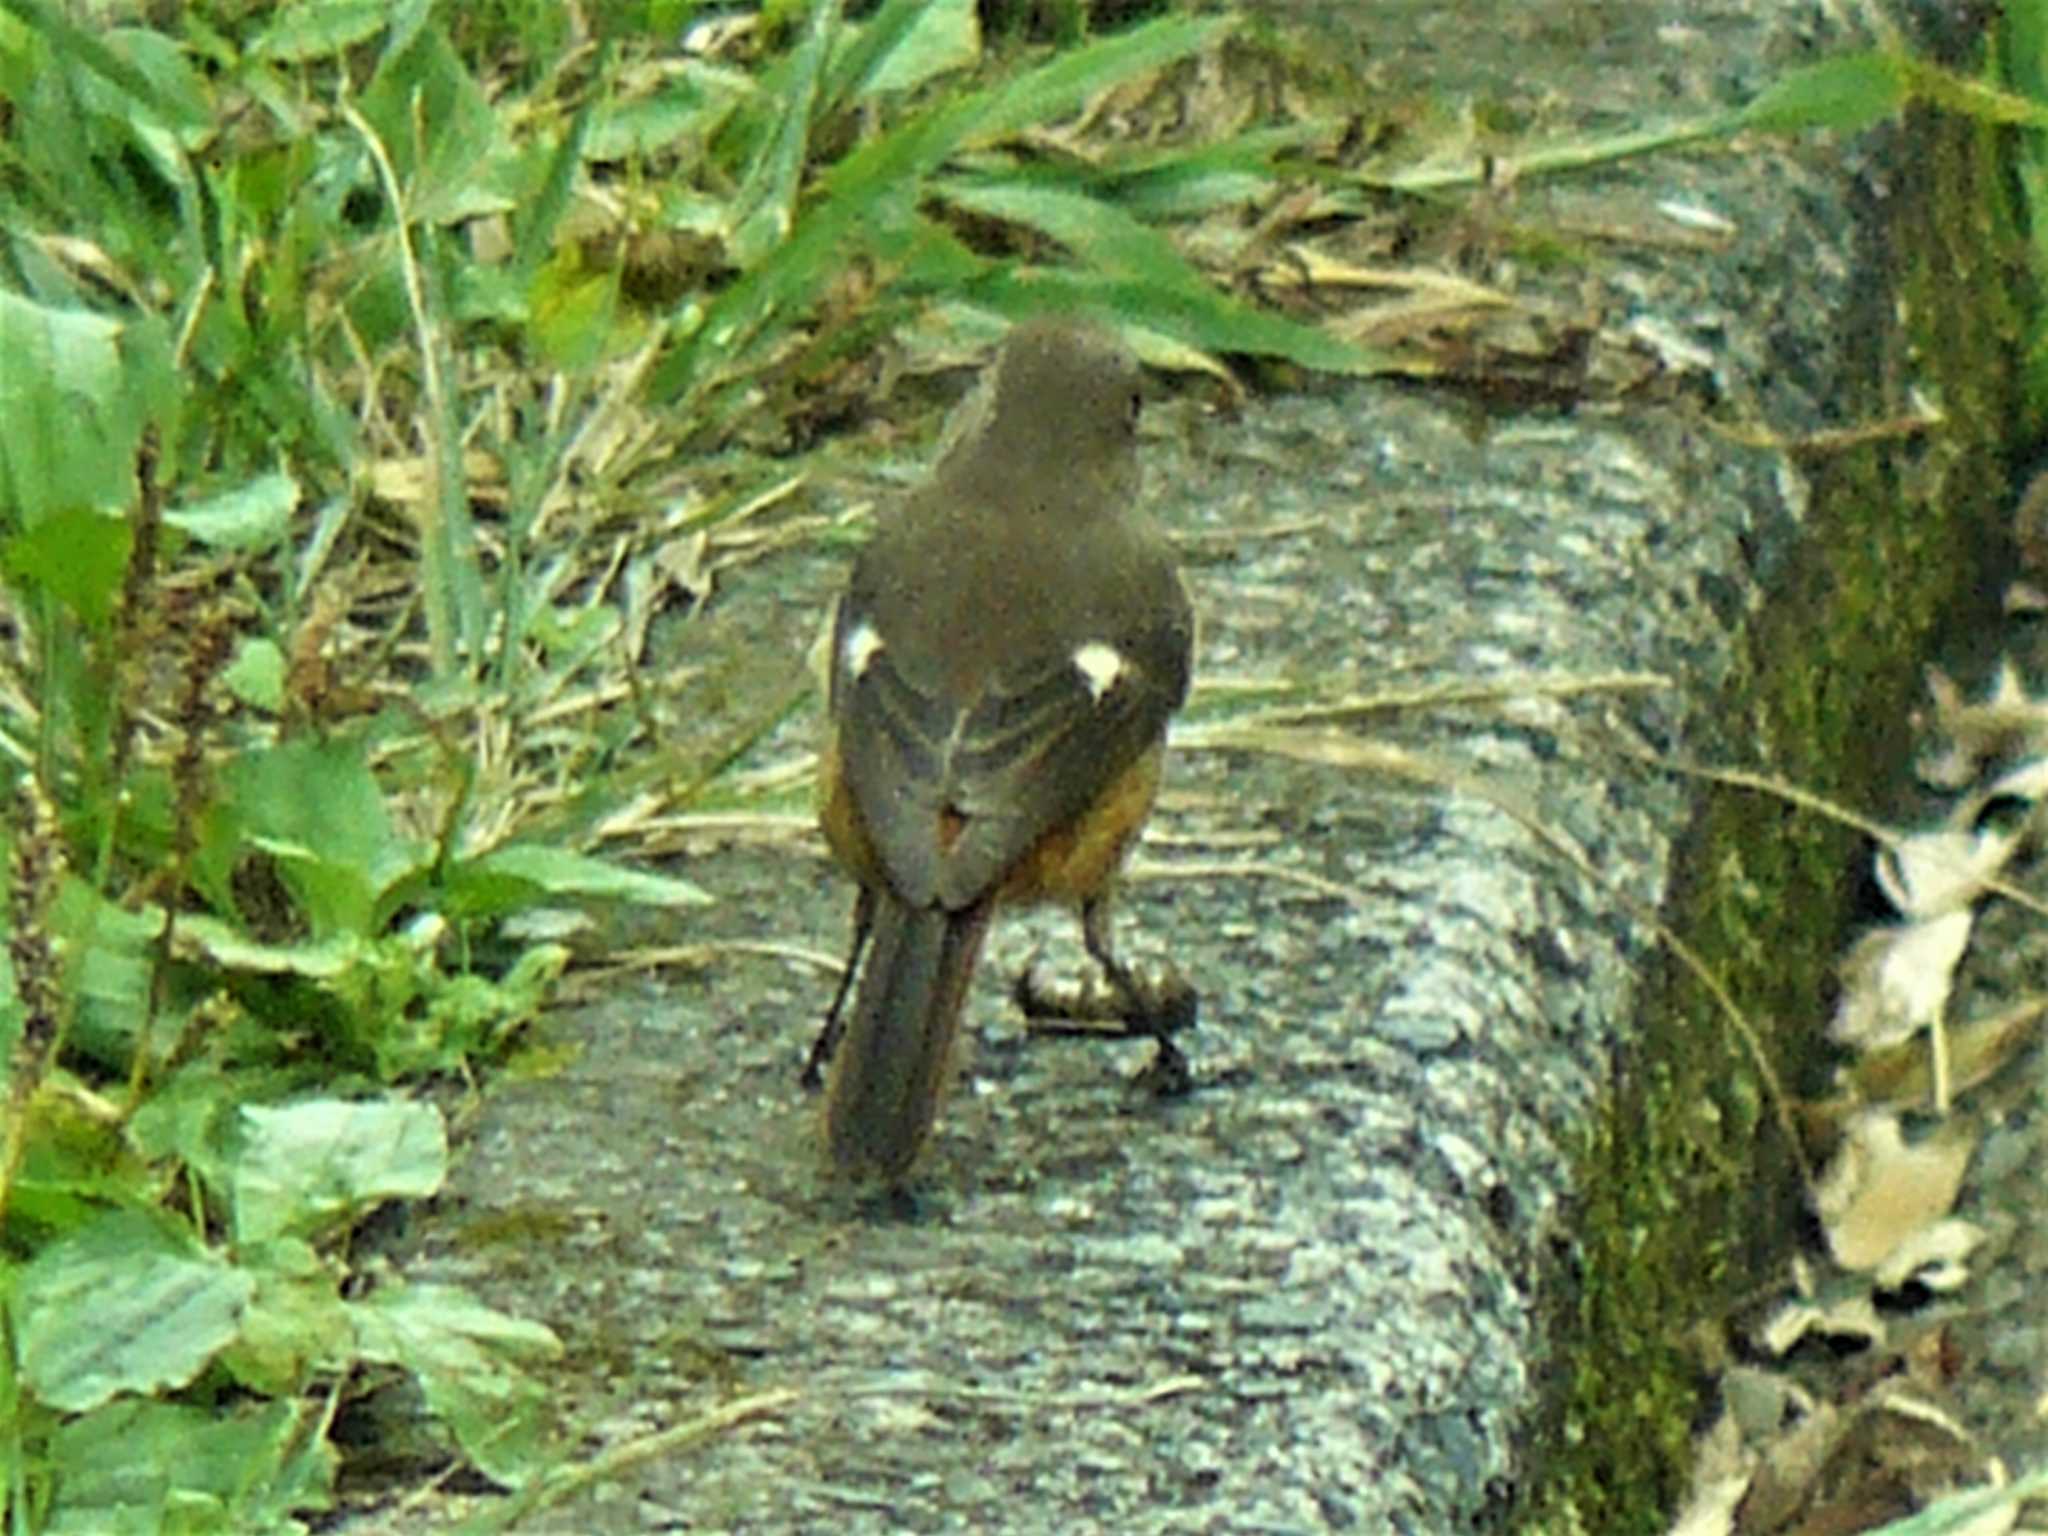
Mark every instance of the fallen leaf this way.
pixel 1896 980
pixel 1932 1256
pixel 1878 1193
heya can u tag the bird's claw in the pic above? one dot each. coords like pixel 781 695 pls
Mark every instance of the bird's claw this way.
pixel 1119 1004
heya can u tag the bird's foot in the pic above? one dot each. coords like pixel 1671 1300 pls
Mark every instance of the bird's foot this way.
pixel 1126 1003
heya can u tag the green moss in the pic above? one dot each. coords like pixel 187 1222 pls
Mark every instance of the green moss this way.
pixel 1690 1192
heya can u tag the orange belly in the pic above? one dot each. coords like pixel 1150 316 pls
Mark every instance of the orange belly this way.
pixel 1069 864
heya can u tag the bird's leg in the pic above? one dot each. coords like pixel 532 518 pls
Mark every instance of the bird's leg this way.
pixel 813 1076
pixel 1156 1007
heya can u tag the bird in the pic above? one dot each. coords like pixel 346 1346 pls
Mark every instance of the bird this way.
pixel 1003 663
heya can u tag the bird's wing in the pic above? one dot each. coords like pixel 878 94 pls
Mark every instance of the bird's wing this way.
pixel 956 785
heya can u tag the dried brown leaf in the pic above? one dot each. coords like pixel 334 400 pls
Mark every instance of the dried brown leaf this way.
pixel 1878 1192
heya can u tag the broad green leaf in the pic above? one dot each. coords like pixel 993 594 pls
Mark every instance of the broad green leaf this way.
pixel 462 1353
pixel 183 1117
pixel 438 129
pixel 78 557
pixel 407 1325
pixel 305 1167
pixel 176 104
pixel 316 808
pixel 140 1468
pixel 124 1305
pixel 573 312
pixel 1846 93
pixel 254 515
pixel 559 872
pixel 295 1324
pixel 318 29
pixel 110 58
pixel 116 951
pixel 256 675
pixel 67 442
pixel 162 123
pixel 2023 39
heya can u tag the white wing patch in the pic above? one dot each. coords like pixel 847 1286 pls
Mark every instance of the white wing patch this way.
pixel 1100 666
pixel 863 642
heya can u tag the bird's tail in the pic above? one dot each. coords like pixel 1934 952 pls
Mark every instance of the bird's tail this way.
pixel 891 1066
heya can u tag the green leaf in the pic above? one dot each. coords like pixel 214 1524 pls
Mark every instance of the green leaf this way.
pixel 1105 238
pixel 295 1324
pixel 1069 81
pixel 316 808
pixel 125 1305
pixel 170 116
pixel 1847 93
pixel 462 1353
pixel 256 675
pixel 1962 1514
pixel 74 1164
pixel 667 18
pixel 929 258
pixel 1975 99
pixel 117 955
pixel 78 557
pixel 176 109
pixel 142 1467
pixel 2023 36
pixel 67 442
pixel 1203 318
pixel 1183 183
pixel 573 312
pixel 107 57
pixel 416 1019
pixel 542 214
pixel 904 44
pixel 558 872
pixel 318 29
pixel 254 515
pixel 232 949
pixel 439 130
pixel 765 208
pixel 308 1166
pixel 182 1119
pixel 688 109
